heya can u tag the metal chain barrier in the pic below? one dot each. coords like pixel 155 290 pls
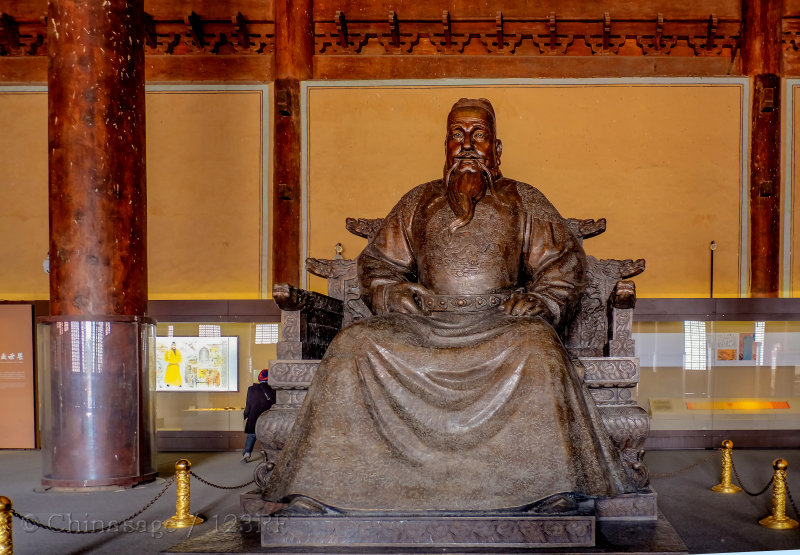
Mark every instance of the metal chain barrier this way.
pixel 213 485
pixel 685 468
pixel 38 524
pixel 744 489
pixel 791 500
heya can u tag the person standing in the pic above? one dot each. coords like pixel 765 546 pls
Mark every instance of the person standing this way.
pixel 260 397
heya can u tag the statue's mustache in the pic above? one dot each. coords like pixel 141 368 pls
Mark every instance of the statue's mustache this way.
pixel 481 166
pixel 465 187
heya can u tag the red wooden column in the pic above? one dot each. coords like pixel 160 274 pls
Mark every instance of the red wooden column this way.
pixel 761 61
pixel 294 51
pixel 97 427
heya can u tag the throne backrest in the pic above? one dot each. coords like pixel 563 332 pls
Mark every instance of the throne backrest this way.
pixel 601 326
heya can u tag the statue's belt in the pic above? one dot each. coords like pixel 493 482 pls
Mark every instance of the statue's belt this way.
pixel 461 303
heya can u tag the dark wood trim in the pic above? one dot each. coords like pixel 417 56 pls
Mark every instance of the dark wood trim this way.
pixel 208 68
pixel 232 310
pixel 463 66
pixel 761 36
pixel 761 59
pixel 31 70
pixel 676 310
pixel 712 439
pixel 294 50
pixel 567 9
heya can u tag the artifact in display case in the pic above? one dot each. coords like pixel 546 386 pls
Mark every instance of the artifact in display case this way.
pixel 197 364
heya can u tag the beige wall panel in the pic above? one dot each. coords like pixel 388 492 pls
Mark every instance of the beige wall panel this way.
pixel 662 162
pixel 204 160
pixel 23 190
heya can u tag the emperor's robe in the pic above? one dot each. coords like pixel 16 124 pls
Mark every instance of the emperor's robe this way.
pixel 172 375
pixel 464 408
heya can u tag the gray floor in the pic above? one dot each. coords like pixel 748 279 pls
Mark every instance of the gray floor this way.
pixel 708 522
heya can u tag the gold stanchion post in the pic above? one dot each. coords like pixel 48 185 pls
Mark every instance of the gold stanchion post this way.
pixel 182 518
pixel 725 486
pixel 778 519
pixel 6 526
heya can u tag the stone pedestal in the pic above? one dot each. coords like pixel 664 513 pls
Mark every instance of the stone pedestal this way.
pixel 623 536
pixel 425 531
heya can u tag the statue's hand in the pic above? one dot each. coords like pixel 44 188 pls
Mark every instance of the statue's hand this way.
pixel 400 297
pixel 525 304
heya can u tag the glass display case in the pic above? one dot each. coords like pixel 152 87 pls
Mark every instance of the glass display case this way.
pixel 713 375
pixel 195 391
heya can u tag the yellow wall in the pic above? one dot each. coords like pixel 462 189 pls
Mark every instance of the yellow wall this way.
pixel 662 162
pixel 204 176
pixel 23 196
pixel 205 161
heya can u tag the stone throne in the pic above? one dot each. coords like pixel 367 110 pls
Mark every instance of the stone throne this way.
pixel 599 335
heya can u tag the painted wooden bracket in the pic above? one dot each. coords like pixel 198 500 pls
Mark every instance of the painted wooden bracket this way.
pixel 195 24
pixel 712 31
pixel 606 30
pixel 448 31
pixel 240 24
pixel 499 27
pixel 10 31
pixel 150 36
pixel 553 30
pixel 394 29
pixel 341 29
pixel 659 31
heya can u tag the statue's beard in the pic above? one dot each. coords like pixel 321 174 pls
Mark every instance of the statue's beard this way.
pixel 466 182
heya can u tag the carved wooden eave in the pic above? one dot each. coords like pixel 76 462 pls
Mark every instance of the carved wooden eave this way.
pixel 201 40
pixel 234 40
pixel 515 39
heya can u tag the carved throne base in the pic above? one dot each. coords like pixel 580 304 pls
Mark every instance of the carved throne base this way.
pixel 430 532
pixel 481 533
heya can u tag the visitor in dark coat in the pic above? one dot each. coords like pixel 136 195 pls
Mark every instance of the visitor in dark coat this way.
pixel 260 397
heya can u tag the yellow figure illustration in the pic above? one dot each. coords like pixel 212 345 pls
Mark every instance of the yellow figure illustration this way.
pixel 173 374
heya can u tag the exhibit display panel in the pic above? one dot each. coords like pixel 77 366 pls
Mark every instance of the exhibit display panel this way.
pixel 18 426
pixel 719 375
pixel 201 385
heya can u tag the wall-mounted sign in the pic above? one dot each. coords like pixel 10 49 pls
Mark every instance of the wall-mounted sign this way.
pixel 18 425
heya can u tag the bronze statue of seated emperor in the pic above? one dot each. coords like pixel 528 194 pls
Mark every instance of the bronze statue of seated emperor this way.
pixel 463 388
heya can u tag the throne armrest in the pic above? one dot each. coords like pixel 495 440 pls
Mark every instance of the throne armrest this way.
pixel 363 227
pixel 621 304
pixel 584 229
pixel 309 320
pixel 605 311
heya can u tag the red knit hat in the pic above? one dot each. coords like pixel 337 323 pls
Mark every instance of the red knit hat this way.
pixel 263 375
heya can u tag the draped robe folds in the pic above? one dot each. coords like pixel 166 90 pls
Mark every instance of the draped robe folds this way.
pixel 455 410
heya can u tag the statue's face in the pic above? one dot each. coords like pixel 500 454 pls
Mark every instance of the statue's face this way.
pixel 470 136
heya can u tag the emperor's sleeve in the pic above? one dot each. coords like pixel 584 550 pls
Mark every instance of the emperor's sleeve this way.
pixel 554 261
pixel 389 256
